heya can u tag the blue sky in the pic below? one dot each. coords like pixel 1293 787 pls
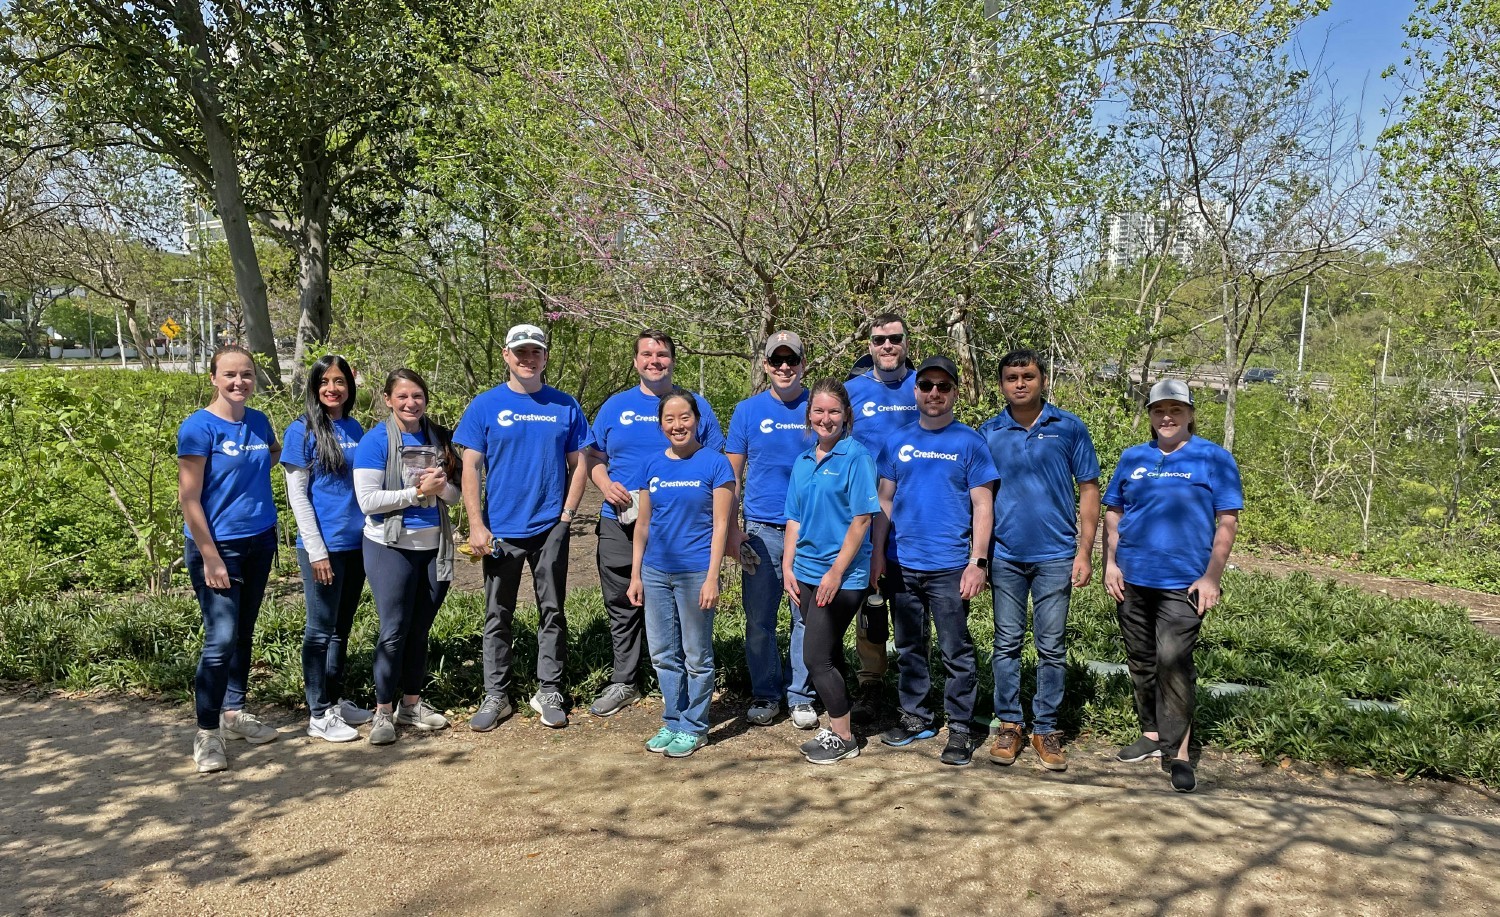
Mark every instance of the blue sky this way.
pixel 1358 39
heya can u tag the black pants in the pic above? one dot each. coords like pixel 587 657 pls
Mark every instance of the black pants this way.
pixel 627 622
pixel 547 556
pixel 1160 627
pixel 407 598
pixel 823 632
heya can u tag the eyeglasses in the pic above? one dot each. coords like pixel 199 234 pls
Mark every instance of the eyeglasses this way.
pixel 928 385
pixel 878 339
pixel 790 359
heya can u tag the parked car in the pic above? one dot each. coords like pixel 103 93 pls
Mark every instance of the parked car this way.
pixel 1163 366
pixel 1261 374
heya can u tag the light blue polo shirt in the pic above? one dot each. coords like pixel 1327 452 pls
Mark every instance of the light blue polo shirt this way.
pixel 627 431
pixel 236 494
pixel 1036 518
pixel 769 433
pixel 526 440
pixel 823 497
pixel 932 519
pixel 680 536
pixel 1166 530
pixel 880 408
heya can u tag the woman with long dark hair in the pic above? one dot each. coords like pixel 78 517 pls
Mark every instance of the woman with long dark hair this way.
pixel 224 457
pixel 405 478
pixel 318 457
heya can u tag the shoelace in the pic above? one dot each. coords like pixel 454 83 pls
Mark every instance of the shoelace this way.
pixel 550 699
pixel 490 704
pixel 829 739
pixel 911 723
pixel 1052 744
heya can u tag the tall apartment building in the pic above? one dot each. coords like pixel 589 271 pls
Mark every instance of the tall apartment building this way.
pixel 1174 230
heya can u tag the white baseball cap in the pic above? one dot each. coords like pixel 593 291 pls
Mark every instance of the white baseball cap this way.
pixel 520 335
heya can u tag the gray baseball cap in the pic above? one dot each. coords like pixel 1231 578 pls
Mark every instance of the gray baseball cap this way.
pixel 1170 390
pixel 787 339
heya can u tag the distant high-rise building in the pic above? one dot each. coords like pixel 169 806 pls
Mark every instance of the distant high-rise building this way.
pixel 200 225
pixel 1170 230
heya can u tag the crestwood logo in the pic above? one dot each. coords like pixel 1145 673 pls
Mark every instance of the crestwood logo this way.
pixel 1141 472
pixel 870 408
pixel 629 417
pixel 233 449
pixel 908 452
pixel 658 482
pixel 767 425
pixel 506 418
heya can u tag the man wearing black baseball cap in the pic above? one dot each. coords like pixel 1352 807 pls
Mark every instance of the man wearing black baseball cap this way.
pixel 932 541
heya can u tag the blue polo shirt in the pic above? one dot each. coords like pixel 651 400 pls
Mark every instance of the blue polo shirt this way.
pixel 627 431
pixel 880 408
pixel 236 494
pixel 1036 517
pixel 1168 503
pixel 340 523
pixel 823 497
pixel 526 440
pixel 680 537
pixel 371 454
pixel 769 433
pixel 932 518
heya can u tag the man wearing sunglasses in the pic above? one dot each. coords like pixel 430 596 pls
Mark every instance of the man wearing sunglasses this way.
pixel 1044 543
pixel 766 434
pixel 625 435
pixel 932 541
pixel 882 391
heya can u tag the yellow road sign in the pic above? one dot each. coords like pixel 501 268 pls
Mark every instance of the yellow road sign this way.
pixel 171 329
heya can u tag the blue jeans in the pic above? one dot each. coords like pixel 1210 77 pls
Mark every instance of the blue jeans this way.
pixel 228 621
pixel 1050 585
pixel 763 591
pixel 681 638
pixel 920 601
pixel 330 617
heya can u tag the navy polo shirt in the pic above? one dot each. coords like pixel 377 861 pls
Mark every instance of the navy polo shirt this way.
pixel 1036 517
pixel 823 497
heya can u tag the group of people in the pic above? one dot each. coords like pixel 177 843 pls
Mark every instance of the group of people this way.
pixel 859 500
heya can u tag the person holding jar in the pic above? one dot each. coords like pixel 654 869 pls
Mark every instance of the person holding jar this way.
pixel 404 478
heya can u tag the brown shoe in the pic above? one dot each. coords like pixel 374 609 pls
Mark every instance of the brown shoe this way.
pixel 1048 747
pixel 1008 744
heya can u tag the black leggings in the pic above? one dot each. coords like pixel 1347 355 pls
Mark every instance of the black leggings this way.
pixel 823 643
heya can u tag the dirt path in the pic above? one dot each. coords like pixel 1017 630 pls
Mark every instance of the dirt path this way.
pixel 103 813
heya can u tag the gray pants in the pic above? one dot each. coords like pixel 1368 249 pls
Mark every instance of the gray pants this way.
pixel 1160 627
pixel 547 556
pixel 627 622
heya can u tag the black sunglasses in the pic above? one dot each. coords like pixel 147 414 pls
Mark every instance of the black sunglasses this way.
pixel 790 359
pixel 928 385
pixel 878 339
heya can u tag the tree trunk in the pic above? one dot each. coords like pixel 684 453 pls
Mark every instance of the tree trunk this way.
pixel 142 345
pixel 967 358
pixel 1231 357
pixel 314 285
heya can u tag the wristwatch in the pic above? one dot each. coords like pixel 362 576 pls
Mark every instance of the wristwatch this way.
pixel 982 563
pixel 568 514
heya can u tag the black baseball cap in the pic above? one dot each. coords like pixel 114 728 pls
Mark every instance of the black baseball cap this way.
pixel 943 363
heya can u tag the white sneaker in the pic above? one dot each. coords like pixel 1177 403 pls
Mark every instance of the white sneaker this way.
pixel 248 727
pixel 354 714
pixel 804 716
pixel 331 726
pixel 420 716
pixel 208 751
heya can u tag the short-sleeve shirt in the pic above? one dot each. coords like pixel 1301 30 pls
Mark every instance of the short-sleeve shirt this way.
pixel 627 431
pixel 371 453
pixel 823 497
pixel 236 494
pixel 770 433
pixel 932 518
pixel 880 408
pixel 526 440
pixel 1036 517
pixel 680 538
pixel 1168 504
pixel 340 523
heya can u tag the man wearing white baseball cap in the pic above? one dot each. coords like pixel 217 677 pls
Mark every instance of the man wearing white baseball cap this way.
pixel 523 445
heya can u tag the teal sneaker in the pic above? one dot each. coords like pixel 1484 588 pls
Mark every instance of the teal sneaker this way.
pixel 659 742
pixel 684 744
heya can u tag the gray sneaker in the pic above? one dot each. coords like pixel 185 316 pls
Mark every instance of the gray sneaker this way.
pixel 208 751
pixel 246 726
pixel 827 748
pixel 382 728
pixel 804 716
pixel 491 711
pixel 353 713
pixel 421 717
pixel 550 705
pixel 762 711
pixel 615 698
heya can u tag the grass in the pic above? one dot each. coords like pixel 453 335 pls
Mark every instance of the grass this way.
pixel 1308 644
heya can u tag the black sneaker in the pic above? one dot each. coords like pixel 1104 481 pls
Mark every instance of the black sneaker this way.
pixel 959 751
pixel 866 708
pixel 908 731
pixel 827 748
pixel 1183 778
pixel 1139 750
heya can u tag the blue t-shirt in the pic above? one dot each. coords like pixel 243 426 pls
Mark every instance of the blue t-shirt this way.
pixel 340 523
pixel 770 434
pixel 236 494
pixel 370 453
pixel 680 539
pixel 627 431
pixel 526 441
pixel 1036 518
pixel 880 408
pixel 932 517
pixel 823 498
pixel 1168 502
